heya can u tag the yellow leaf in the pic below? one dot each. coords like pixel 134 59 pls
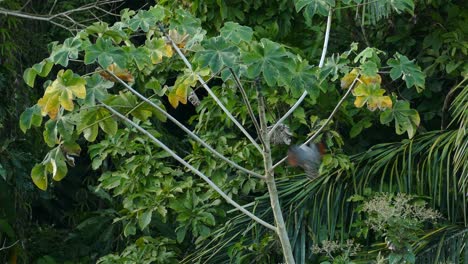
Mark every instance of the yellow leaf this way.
pixel 49 104
pixel 182 93
pixel 386 102
pixel 78 90
pixel 122 74
pixel 348 79
pixel 173 99
pixel 360 101
pixel 179 39
pixel 168 51
pixel 66 100
pixel 371 79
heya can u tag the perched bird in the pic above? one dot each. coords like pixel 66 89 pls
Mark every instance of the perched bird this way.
pixel 307 157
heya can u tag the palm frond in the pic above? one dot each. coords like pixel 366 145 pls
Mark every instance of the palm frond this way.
pixel 432 165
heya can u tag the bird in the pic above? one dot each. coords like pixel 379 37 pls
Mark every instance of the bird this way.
pixel 307 157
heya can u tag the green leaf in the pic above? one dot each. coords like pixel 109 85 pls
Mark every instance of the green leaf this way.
pixel 359 126
pixel 92 119
pixel 144 219
pixel 105 54
pixel 29 76
pixel 30 117
pixel 304 78
pixel 180 232
pixel 270 59
pixel 158 48
pixel 408 71
pixel 96 89
pixel 50 133
pixel 68 50
pixel 313 7
pixel 403 6
pixel 140 56
pixel 102 29
pixel 39 176
pixel 146 19
pixel 59 167
pixel 369 68
pixel 108 125
pixel 65 127
pixel 236 33
pixel 406 119
pixel 129 229
pixel 43 68
pixel 369 55
pixel 217 53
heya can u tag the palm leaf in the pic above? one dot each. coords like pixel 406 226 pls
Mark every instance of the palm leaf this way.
pixel 431 165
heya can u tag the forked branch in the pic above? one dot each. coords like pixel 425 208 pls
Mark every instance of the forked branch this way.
pixel 210 92
pixel 185 129
pixel 190 167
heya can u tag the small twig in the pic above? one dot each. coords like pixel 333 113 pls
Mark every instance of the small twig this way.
pixel 63 15
pixel 52 8
pixel 351 87
pixel 247 103
pixel 322 61
pixel 210 92
pixel 185 129
pixel 7 247
pixel 190 167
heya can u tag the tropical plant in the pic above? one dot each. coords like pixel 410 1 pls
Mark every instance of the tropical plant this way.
pixel 266 89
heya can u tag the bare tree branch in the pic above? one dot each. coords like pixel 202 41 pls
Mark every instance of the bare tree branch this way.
pixel 59 19
pixel 210 92
pixel 185 129
pixel 7 247
pixel 190 167
pixel 322 61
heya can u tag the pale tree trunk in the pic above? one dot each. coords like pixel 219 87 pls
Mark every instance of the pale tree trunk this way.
pixel 281 230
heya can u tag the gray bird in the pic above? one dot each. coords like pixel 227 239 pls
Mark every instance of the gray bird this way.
pixel 306 157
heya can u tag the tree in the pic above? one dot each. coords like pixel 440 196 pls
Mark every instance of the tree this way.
pixel 83 105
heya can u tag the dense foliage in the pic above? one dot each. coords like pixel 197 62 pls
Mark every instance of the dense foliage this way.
pixel 397 144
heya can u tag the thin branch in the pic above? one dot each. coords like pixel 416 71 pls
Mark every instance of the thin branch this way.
pixel 185 129
pixel 210 92
pixel 52 8
pixel 247 103
pixel 63 15
pixel 7 247
pixel 190 167
pixel 350 89
pixel 322 61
